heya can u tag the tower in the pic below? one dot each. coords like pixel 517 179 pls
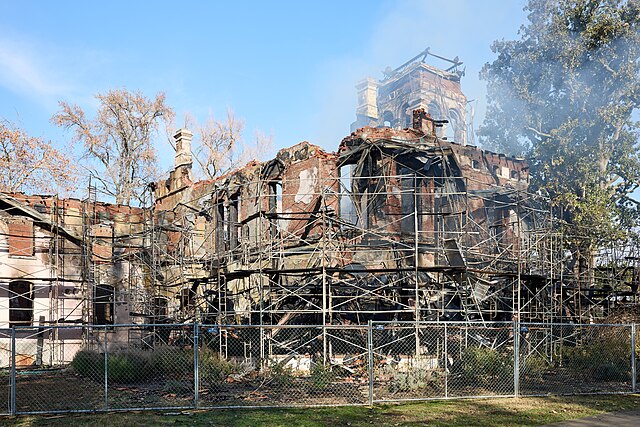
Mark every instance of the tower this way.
pixel 415 84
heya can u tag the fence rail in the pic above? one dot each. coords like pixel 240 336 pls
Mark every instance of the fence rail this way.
pixel 52 369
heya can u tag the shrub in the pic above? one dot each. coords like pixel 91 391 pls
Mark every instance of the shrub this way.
pixel 610 371
pixel 89 363
pixel 483 364
pixel 535 365
pixel 214 369
pixel 412 380
pixel 321 376
pixel 603 358
pixel 172 361
pixel 130 367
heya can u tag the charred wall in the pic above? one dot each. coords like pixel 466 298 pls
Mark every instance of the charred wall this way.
pixel 389 227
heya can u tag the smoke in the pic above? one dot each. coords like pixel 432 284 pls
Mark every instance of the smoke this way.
pixel 565 95
pixel 458 28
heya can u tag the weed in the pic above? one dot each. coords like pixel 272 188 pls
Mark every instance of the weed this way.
pixel 281 375
pixel 321 376
pixel 214 370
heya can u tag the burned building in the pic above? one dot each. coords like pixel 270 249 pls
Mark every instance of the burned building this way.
pixel 59 254
pixel 400 223
pixel 396 225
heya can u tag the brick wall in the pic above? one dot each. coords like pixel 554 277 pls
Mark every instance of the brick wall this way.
pixel 21 237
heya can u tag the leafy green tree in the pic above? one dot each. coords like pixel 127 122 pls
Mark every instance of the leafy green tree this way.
pixel 563 95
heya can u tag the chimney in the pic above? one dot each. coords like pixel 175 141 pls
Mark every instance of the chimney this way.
pixel 367 109
pixel 183 148
pixel 423 121
pixel 367 103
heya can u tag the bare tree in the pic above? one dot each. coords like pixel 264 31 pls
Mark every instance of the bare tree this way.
pixel 119 138
pixel 31 164
pixel 222 146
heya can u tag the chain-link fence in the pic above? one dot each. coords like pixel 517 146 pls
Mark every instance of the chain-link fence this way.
pixel 576 359
pixel 179 366
pixel 282 365
pixel 442 360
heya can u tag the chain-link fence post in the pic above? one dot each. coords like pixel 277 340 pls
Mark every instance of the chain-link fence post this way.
pixel 370 359
pixel 13 372
pixel 633 357
pixel 446 361
pixel 262 364
pixel 196 365
pixel 106 370
pixel 516 358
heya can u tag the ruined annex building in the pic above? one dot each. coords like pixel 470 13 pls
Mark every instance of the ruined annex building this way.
pixel 403 222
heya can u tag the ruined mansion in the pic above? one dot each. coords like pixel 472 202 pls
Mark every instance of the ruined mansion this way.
pixel 405 221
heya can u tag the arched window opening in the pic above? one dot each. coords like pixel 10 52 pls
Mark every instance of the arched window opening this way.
pixel 453 127
pixel 435 112
pixel 406 116
pixel 387 119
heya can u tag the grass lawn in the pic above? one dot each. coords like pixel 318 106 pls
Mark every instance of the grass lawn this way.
pixel 529 411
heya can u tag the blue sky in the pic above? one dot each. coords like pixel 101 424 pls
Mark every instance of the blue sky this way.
pixel 287 68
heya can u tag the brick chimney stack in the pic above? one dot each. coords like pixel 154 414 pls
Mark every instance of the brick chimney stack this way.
pixel 422 121
pixel 183 139
pixel 184 159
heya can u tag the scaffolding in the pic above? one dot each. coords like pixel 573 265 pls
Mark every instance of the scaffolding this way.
pixel 395 227
pixel 391 230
